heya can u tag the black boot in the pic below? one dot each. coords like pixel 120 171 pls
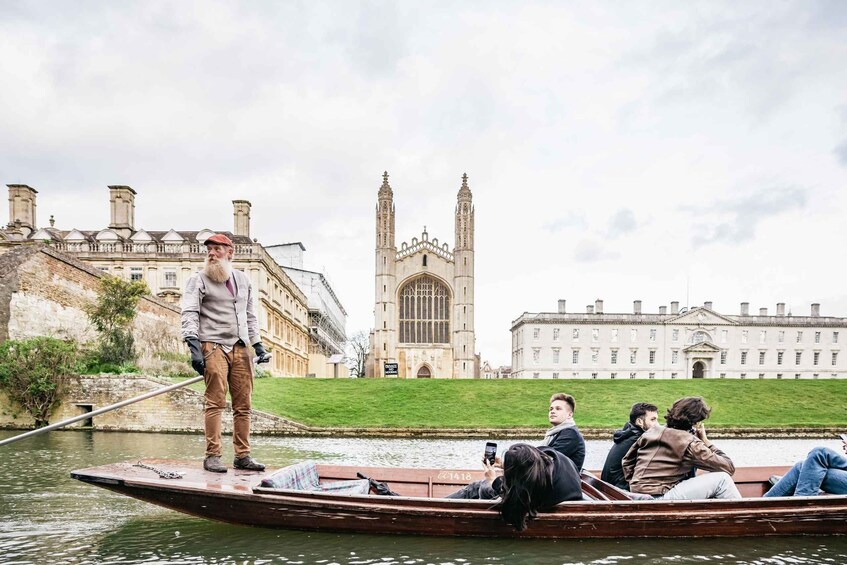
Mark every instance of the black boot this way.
pixel 213 463
pixel 247 463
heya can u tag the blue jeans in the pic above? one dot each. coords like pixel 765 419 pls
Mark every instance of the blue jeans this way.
pixel 823 469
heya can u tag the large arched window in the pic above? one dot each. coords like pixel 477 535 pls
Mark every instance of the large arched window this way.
pixel 425 311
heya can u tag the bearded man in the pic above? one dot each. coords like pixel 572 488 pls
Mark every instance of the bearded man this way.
pixel 218 322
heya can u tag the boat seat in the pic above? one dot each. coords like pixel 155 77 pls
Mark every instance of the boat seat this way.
pixel 304 476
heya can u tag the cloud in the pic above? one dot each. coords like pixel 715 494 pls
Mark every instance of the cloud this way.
pixel 592 251
pixel 571 220
pixel 841 152
pixel 734 221
pixel 622 223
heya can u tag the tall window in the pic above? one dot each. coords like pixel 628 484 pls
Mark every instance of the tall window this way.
pixel 743 357
pixel 799 337
pixel 595 356
pixel 135 274
pixel 170 279
pixel 615 357
pixel 675 356
pixel 834 337
pixel 633 353
pixel 834 358
pixel 723 357
pixel 595 334
pixel 779 355
pixel 744 336
pixel 575 334
pixel 798 356
pixel 761 357
pixel 425 311
pixel 652 334
pixel 763 336
pixel 555 355
pixel 817 337
pixel 675 335
pixel 536 333
pixel 555 334
pixel 536 355
pixel 575 357
pixel 699 337
pixel 816 358
pixel 652 356
pixel 781 336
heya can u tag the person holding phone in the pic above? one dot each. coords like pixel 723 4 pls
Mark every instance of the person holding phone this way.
pixel 823 469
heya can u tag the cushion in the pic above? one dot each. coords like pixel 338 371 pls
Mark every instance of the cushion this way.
pixel 304 476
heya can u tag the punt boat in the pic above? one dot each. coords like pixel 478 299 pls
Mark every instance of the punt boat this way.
pixel 238 497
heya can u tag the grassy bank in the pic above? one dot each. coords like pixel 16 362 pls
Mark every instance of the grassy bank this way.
pixel 517 403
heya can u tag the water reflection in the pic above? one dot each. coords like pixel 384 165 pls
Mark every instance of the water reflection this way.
pixel 49 518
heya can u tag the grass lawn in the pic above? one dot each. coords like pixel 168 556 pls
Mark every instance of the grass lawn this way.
pixel 395 403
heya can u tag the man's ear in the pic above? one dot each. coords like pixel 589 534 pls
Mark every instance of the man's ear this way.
pixel 639 422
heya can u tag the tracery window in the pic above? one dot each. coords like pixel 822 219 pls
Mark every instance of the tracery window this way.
pixel 425 311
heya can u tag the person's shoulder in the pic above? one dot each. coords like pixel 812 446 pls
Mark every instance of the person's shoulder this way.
pixel 559 457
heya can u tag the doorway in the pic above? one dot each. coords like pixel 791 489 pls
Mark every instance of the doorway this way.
pixel 424 372
pixel 697 370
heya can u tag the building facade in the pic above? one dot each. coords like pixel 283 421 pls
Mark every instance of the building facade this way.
pixel 681 344
pixel 166 259
pixel 327 316
pixel 424 303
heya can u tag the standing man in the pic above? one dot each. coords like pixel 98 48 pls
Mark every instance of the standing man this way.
pixel 218 323
pixel 642 417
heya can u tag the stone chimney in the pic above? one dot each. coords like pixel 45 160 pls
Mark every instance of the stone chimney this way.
pixel 674 307
pixel 745 308
pixel 780 308
pixel 22 207
pixel 598 306
pixel 663 310
pixel 707 304
pixel 122 202
pixel 241 217
pixel 562 309
pixel 636 307
pixel 589 309
pixel 763 311
pixel 816 310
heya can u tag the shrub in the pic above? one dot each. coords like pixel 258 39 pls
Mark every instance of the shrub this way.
pixel 33 372
pixel 112 315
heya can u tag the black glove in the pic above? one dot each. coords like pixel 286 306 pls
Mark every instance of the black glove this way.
pixel 197 360
pixel 262 355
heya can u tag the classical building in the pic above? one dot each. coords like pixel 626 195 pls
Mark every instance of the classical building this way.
pixel 681 344
pixel 327 316
pixel 166 259
pixel 424 306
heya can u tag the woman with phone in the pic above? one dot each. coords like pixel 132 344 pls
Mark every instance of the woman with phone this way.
pixel 535 478
pixel 823 469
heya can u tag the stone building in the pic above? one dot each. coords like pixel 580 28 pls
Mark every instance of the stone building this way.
pixel 166 259
pixel 327 316
pixel 424 305
pixel 690 343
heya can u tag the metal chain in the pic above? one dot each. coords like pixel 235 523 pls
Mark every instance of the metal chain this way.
pixel 160 472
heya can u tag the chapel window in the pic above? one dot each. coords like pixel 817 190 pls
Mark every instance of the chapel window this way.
pixel 425 311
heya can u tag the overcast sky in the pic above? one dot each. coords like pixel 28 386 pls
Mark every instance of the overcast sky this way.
pixel 658 151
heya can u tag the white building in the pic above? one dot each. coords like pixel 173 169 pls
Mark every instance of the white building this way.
pixel 688 343
pixel 327 316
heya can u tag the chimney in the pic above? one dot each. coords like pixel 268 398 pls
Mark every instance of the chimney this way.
pixel 636 307
pixel 763 311
pixel 122 201
pixel 707 304
pixel 663 310
pixel 589 309
pixel 674 307
pixel 562 309
pixel 780 308
pixel 22 207
pixel 745 308
pixel 816 310
pixel 241 217
pixel 598 306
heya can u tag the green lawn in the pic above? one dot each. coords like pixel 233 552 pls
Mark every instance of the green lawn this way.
pixel 518 403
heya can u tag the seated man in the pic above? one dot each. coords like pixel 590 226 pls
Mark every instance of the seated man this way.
pixel 564 437
pixel 642 417
pixel 660 461
pixel 823 469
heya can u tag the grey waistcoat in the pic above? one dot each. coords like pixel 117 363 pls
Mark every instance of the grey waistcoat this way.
pixel 211 313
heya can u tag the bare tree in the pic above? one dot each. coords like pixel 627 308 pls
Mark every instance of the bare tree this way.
pixel 358 348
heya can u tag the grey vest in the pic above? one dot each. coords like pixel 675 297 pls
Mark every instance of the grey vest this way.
pixel 223 317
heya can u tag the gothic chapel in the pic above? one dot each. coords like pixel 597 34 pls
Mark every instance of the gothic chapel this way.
pixel 424 307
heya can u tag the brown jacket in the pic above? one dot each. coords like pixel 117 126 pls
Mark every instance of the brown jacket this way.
pixel 663 457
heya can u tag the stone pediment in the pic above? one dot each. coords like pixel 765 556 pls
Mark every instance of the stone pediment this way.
pixel 141 236
pixel 107 235
pixel 701 317
pixel 702 347
pixel 42 234
pixel 75 235
pixel 172 237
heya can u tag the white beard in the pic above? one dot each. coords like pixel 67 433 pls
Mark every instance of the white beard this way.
pixel 218 271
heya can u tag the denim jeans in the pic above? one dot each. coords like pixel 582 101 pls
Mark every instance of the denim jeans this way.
pixel 707 485
pixel 823 469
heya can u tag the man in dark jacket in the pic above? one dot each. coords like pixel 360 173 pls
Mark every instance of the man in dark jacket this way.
pixel 642 417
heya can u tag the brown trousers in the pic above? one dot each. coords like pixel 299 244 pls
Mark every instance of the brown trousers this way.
pixel 235 370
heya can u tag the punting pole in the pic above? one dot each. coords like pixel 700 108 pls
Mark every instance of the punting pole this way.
pixel 99 411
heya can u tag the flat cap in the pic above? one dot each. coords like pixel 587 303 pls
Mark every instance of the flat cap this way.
pixel 220 239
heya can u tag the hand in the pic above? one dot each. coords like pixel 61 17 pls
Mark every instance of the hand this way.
pixel 490 472
pixel 263 356
pixel 498 462
pixel 197 360
pixel 700 430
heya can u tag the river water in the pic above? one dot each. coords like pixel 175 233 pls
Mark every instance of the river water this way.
pixel 49 518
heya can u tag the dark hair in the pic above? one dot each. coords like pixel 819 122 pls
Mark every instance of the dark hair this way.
pixel 564 398
pixel 528 481
pixel 639 409
pixel 686 412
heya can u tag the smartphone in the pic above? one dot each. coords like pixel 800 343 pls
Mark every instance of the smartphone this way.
pixel 490 452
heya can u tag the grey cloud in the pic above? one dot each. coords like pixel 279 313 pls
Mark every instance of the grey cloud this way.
pixel 571 220
pixel 622 223
pixel 841 152
pixel 592 251
pixel 734 221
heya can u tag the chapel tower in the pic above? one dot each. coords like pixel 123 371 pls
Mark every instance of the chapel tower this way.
pixel 384 337
pixel 464 342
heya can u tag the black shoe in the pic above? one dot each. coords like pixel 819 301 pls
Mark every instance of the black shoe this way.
pixel 247 463
pixel 213 463
pixel 773 479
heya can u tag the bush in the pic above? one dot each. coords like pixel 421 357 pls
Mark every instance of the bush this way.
pixel 33 372
pixel 112 315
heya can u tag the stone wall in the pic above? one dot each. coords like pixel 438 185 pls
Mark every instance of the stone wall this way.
pixel 180 410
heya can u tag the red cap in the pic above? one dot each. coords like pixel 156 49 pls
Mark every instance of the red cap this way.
pixel 220 239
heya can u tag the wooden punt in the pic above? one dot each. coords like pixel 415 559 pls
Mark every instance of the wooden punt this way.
pixel 235 497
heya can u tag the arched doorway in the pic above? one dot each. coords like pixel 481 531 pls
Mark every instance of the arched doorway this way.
pixel 424 372
pixel 697 370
